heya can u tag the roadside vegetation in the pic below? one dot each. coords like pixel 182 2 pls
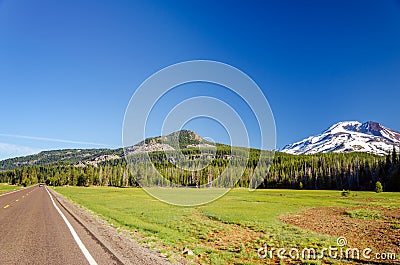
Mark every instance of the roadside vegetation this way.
pixel 5 187
pixel 231 229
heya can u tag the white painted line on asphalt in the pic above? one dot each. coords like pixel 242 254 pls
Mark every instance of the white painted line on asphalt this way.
pixel 84 250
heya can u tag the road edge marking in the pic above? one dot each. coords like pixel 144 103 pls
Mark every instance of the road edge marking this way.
pixel 84 250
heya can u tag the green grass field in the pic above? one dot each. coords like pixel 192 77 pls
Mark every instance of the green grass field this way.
pixel 226 231
pixel 4 188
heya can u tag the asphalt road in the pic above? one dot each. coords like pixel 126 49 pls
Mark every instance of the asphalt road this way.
pixel 34 231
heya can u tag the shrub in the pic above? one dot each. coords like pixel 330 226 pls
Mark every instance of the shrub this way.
pixel 378 187
pixel 346 193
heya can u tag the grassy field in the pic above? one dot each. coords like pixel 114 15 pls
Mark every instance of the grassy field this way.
pixel 4 188
pixel 227 231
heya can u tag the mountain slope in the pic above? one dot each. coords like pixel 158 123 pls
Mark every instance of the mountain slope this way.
pixel 176 140
pixel 65 156
pixel 183 139
pixel 350 136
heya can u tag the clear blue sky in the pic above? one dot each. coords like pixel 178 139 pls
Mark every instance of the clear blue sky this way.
pixel 69 68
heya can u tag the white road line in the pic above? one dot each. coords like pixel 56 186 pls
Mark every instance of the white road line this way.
pixel 84 250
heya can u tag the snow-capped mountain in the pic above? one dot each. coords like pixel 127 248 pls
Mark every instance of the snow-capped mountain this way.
pixel 349 136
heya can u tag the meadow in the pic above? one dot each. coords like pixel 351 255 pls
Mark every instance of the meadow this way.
pixel 231 229
pixel 4 188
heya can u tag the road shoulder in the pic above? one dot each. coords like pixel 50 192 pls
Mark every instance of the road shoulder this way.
pixel 125 249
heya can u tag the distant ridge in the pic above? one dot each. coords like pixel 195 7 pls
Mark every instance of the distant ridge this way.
pixel 81 157
pixel 349 136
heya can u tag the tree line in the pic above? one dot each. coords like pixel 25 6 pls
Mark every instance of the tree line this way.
pixel 349 171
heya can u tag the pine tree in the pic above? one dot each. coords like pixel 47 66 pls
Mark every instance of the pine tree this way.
pixel 394 156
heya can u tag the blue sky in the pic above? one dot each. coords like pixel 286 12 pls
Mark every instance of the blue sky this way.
pixel 69 68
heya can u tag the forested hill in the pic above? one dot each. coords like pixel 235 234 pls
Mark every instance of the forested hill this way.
pixel 65 156
pixel 82 157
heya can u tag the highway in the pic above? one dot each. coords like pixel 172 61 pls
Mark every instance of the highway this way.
pixel 36 229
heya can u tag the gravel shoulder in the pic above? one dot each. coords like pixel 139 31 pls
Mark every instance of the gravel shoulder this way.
pixel 125 249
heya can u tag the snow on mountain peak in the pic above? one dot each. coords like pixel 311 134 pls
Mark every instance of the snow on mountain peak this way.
pixel 344 126
pixel 348 136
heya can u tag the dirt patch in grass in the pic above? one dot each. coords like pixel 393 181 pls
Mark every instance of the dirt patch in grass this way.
pixel 237 242
pixel 363 227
